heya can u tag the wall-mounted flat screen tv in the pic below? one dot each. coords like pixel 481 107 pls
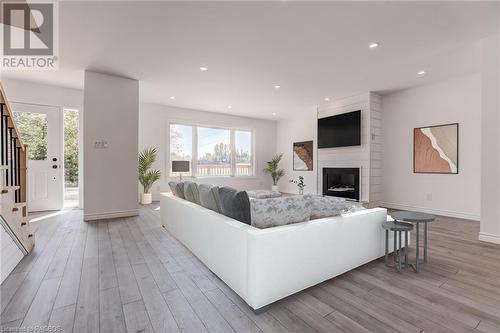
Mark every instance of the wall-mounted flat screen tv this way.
pixel 342 130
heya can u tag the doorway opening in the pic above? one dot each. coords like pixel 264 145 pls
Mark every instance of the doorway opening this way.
pixel 71 158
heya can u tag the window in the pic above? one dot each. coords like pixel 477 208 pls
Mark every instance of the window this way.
pixel 33 130
pixel 181 144
pixel 217 152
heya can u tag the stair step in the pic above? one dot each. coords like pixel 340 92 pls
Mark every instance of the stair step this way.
pixel 7 189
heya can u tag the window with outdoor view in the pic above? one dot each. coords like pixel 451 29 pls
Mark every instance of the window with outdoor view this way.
pixel 216 152
pixel 181 144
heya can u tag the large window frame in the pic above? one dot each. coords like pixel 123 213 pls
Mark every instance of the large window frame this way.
pixel 194 153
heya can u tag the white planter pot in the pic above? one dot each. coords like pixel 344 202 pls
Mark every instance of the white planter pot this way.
pixel 146 198
pixel 275 188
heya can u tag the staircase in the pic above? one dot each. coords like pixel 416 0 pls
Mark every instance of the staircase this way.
pixel 16 238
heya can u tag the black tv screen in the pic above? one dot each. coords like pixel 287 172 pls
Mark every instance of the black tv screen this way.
pixel 341 130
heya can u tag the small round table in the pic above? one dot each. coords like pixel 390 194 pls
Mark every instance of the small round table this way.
pixel 397 228
pixel 417 218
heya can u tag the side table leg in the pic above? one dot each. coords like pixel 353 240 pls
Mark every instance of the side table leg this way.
pixel 406 248
pixel 386 247
pixel 399 252
pixel 395 233
pixel 425 242
pixel 417 247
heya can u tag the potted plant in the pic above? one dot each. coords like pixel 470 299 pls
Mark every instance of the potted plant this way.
pixel 147 177
pixel 300 184
pixel 274 170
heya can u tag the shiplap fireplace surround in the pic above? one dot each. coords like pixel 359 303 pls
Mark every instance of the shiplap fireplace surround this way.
pixel 367 156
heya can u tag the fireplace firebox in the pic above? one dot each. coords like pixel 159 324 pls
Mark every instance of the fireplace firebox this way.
pixel 341 182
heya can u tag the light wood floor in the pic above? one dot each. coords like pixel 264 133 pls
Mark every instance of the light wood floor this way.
pixel 131 275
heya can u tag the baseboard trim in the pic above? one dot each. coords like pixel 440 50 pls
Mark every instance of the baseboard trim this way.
pixel 111 215
pixel 459 215
pixel 490 238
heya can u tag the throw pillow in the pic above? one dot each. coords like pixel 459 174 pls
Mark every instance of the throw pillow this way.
pixel 173 187
pixel 274 212
pixel 326 206
pixel 179 190
pixel 235 204
pixel 191 192
pixel 207 197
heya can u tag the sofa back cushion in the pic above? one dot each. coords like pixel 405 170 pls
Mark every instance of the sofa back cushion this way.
pixel 234 204
pixel 191 192
pixel 273 212
pixel 177 189
pixel 209 195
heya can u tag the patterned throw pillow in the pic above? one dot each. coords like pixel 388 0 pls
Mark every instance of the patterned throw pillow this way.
pixel 207 197
pixel 274 212
pixel 326 206
pixel 191 192
pixel 234 204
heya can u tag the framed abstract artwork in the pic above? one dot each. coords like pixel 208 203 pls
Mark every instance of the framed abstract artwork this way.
pixel 303 156
pixel 435 149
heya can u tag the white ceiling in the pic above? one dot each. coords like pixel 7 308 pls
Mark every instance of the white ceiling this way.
pixel 313 50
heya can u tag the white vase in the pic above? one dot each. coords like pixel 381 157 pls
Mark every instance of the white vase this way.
pixel 146 198
pixel 275 188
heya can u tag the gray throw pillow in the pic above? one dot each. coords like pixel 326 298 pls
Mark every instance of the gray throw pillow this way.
pixel 207 197
pixel 273 212
pixel 173 187
pixel 235 204
pixel 191 192
pixel 179 190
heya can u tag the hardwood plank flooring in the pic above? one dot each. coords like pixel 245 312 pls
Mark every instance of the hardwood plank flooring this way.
pixel 131 275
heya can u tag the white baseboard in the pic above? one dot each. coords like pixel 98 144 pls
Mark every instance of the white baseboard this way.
pixel 110 215
pixel 490 238
pixel 460 215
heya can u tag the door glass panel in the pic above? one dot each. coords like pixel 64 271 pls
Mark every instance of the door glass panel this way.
pixel 243 153
pixel 33 131
pixel 214 152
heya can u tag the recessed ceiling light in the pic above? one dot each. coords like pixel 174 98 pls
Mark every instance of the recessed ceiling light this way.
pixel 277 86
pixel 172 97
pixel 274 113
pixel 327 99
pixel 421 72
pixel 229 106
pixel 373 45
pixel 203 68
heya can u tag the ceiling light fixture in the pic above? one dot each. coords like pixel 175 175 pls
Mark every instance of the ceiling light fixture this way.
pixel 203 68
pixel 172 97
pixel 229 106
pixel 327 99
pixel 421 73
pixel 373 45
pixel 277 86
pixel 274 113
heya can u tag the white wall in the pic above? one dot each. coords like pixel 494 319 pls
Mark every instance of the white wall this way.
pixel 297 129
pixel 490 153
pixel 455 100
pixel 110 175
pixel 154 123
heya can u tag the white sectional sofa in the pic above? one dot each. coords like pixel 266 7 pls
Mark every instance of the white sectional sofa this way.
pixel 266 265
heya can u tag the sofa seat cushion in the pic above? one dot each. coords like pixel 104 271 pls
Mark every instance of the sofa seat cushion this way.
pixel 274 212
pixel 191 192
pixel 326 206
pixel 234 204
pixel 209 197
pixel 177 188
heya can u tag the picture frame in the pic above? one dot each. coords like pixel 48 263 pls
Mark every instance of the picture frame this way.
pixel 303 156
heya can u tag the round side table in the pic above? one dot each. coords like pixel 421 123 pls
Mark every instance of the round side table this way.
pixel 417 218
pixel 398 228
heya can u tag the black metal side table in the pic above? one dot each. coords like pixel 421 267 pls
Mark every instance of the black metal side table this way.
pixel 398 228
pixel 417 218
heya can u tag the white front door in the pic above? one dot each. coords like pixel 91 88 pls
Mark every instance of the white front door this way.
pixel 40 128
